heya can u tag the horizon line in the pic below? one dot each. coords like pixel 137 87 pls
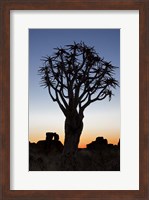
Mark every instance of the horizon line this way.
pixel 78 144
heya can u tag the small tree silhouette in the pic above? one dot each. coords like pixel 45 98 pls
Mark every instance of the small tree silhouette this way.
pixel 76 76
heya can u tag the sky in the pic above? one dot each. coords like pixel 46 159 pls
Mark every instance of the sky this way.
pixel 102 118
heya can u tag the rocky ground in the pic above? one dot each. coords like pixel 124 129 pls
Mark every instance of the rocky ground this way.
pixel 98 156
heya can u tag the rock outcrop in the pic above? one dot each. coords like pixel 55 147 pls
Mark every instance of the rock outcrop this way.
pixel 100 143
pixel 50 144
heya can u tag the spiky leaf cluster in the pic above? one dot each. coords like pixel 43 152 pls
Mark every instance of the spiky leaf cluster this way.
pixel 77 76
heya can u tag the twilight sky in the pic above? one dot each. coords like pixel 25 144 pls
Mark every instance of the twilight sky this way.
pixel 102 118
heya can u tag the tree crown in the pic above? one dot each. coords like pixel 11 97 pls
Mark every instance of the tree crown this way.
pixel 77 76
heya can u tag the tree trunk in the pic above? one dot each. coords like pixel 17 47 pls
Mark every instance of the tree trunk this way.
pixel 73 130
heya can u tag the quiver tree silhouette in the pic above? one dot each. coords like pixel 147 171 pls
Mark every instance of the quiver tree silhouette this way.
pixel 76 76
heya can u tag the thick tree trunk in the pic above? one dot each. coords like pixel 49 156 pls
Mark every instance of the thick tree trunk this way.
pixel 73 130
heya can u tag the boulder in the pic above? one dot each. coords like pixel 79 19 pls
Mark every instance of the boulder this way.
pixel 99 143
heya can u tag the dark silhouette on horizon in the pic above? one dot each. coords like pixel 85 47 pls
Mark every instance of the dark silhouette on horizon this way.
pixel 47 155
pixel 49 144
pixel 76 76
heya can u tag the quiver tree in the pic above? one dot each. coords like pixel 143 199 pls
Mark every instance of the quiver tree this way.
pixel 76 76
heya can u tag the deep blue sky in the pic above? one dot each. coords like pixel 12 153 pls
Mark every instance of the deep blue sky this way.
pixel 45 115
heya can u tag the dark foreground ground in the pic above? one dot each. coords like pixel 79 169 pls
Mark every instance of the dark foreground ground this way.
pixel 98 156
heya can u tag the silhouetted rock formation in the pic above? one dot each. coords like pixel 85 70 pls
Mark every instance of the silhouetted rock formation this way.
pixel 51 135
pixel 119 143
pixel 51 143
pixel 101 143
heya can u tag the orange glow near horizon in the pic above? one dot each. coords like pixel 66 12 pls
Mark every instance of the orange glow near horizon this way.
pixel 85 138
pixel 96 124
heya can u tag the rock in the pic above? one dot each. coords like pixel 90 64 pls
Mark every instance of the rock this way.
pixel 119 143
pixel 101 140
pixel 99 143
pixel 51 144
pixel 51 135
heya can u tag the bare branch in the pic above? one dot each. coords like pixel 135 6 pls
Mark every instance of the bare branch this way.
pixel 77 76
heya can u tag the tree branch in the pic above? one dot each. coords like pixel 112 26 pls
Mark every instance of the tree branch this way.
pixel 76 73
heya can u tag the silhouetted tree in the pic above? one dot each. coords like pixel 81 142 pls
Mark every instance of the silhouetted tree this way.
pixel 76 76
